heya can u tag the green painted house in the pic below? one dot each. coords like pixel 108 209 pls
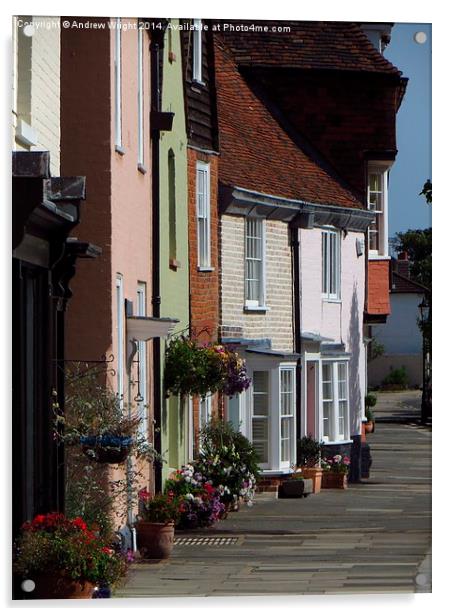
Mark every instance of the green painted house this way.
pixel 174 256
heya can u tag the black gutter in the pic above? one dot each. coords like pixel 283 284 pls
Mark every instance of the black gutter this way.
pixel 156 47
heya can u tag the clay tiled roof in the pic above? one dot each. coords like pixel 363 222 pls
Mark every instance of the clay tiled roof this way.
pixel 257 154
pixel 402 284
pixel 309 45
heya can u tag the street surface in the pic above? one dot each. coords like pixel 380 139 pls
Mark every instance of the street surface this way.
pixel 374 537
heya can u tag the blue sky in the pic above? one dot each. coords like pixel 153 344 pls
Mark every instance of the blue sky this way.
pixel 408 210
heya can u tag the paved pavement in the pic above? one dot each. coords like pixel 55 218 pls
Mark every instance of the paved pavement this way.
pixel 374 537
pixel 398 406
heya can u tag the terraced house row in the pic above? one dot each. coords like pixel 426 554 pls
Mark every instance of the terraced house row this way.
pixel 231 187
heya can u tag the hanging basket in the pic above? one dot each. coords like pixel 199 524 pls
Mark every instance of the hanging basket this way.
pixel 107 449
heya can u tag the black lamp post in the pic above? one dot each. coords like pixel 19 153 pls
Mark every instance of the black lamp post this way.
pixel 424 309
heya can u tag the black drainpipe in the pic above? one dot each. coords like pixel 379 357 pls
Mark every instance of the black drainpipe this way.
pixel 156 47
pixel 295 255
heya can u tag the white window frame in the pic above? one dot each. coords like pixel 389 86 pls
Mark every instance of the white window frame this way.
pixel 380 168
pixel 141 311
pixel 140 94
pixel 289 416
pixel 197 51
pixel 203 214
pixel 118 83
pixel 274 369
pixel 267 418
pixel 335 435
pixel 120 331
pixel 331 268
pixel 204 411
pixel 252 303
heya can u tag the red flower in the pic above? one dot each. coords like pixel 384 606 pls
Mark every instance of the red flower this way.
pixel 79 523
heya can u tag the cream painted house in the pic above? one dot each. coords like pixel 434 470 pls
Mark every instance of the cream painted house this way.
pixel 36 86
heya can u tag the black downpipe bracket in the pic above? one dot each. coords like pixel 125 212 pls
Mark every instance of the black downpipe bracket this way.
pixel 156 48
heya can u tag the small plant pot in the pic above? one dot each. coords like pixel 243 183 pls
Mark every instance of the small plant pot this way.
pixel 336 481
pixel 51 585
pixel 155 540
pixel 315 474
pixel 369 427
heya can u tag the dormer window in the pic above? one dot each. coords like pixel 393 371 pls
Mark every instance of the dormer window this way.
pixel 197 52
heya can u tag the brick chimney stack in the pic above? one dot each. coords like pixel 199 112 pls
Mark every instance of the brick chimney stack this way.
pixel 403 264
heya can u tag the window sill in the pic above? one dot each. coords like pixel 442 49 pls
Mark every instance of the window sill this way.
pixel 374 256
pixel 142 169
pixel 119 149
pixel 199 84
pixel 205 269
pixel 332 300
pixel 281 471
pixel 344 442
pixel 174 264
pixel 256 308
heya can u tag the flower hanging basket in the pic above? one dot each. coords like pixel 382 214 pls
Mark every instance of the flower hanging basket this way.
pixel 107 448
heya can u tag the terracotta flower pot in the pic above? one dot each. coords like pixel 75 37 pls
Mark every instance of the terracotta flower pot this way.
pixel 315 474
pixel 155 540
pixel 53 585
pixel 336 481
pixel 369 426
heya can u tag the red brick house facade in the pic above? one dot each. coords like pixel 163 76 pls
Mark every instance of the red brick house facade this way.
pixel 203 163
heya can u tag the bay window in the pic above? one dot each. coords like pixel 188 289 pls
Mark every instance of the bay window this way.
pixel 331 264
pixel 287 408
pixel 260 415
pixel 271 426
pixel 335 409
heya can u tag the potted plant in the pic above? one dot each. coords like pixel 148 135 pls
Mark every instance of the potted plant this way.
pixel 156 524
pixel 229 461
pixel 308 459
pixel 200 503
pixel 369 424
pixel 64 558
pixel 335 472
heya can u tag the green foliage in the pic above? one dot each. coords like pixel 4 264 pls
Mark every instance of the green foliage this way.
pixel 161 509
pixel 427 191
pixel 418 244
pixel 57 545
pixel 370 401
pixel 376 349
pixel 370 415
pixel 229 460
pixel 397 376
pixel 191 369
pixel 88 496
pixel 308 451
